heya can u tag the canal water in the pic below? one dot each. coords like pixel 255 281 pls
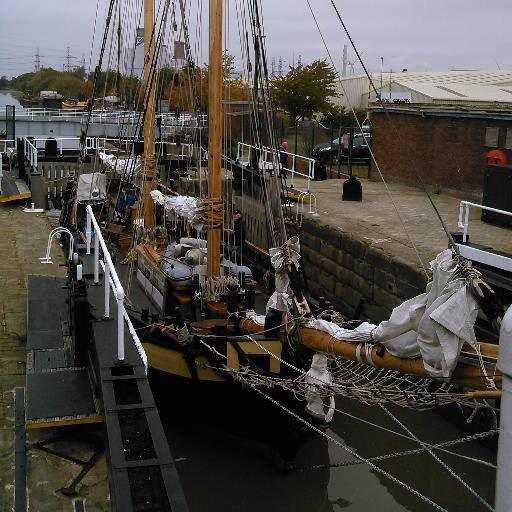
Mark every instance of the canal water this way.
pixel 9 98
pixel 225 471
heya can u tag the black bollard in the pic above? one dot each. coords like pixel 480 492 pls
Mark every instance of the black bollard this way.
pixel 352 190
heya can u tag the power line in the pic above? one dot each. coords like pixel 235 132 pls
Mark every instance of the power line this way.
pixel 37 62
pixel 67 65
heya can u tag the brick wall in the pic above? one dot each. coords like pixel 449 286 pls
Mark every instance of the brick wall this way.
pixel 345 270
pixel 448 151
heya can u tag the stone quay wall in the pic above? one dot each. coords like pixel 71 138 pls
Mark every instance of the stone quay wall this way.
pixel 346 269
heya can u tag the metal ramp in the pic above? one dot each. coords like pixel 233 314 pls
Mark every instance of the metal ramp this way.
pixel 57 392
pixel 12 189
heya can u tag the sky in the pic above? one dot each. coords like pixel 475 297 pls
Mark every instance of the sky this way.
pixel 419 35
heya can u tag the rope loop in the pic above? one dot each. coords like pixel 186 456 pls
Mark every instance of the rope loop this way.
pixel 213 212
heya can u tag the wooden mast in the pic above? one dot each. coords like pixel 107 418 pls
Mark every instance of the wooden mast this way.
pixel 215 133
pixel 149 118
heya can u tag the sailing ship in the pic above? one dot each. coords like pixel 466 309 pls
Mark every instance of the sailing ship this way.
pixel 195 308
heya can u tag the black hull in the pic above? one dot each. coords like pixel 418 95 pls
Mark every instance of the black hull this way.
pixel 234 410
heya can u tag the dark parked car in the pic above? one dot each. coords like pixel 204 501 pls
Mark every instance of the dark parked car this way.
pixel 360 150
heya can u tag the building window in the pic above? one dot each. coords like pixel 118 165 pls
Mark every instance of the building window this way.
pixel 491 136
pixel 508 140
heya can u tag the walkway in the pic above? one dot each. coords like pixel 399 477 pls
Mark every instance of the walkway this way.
pixel 375 219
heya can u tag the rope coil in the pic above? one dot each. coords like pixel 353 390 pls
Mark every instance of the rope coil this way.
pixel 213 212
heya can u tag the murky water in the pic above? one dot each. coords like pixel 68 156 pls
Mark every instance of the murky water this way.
pixel 9 98
pixel 226 472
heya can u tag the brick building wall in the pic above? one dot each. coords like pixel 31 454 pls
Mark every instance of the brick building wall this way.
pixel 448 148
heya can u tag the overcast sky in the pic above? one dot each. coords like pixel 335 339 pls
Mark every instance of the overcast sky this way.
pixel 422 35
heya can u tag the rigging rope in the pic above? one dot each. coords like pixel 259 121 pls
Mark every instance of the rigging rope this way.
pixel 349 450
pixel 437 459
pixel 388 191
pixel 405 147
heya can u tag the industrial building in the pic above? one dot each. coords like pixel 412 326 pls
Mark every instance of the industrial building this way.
pixel 472 88
pixel 450 146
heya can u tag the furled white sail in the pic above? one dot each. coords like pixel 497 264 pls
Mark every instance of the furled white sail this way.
pixel 433 325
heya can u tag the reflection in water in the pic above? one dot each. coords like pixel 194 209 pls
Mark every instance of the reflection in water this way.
pixel 9 98
pixel 221 470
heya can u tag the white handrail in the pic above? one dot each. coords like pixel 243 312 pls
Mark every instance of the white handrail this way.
pixel 30 152
pixel 464 215
pixel 57 231
pixel 111 279
pixel 270 159
pixel 109 116
pixel 5 142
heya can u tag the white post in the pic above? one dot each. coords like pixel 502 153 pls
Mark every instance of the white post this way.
pixel 461 213
pixel 503 480
pixel 466 224
pixel 96 258
pixel 120 324
pixel 293 168
pixel 106 286
pixel 88 233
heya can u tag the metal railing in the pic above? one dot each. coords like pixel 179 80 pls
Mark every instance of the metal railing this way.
pixel 313 210
pixel 34 145
pixel 54 232
pixel 464 215
pixel 110 282
pixel 490 258
pixel 107 116
pixel 30 152
pixel 5 144
pixel 63 143
pixel 269 159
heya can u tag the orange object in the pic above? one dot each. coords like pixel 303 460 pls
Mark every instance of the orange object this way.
pixel 496 157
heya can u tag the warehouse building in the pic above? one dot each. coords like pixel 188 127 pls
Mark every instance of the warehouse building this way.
pixel 477 88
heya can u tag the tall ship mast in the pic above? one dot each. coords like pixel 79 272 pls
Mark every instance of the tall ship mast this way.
pixel 215 137
pixel 149 95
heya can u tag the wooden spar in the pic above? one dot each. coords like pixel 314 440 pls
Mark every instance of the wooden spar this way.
pixel 319 341
pixel 149 118
pixel 215 133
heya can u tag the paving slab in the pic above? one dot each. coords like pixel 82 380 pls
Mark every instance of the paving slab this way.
pixel 400 218
pixel 23 241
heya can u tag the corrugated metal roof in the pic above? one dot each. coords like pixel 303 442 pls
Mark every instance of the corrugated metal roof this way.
pixel 460 92
pixel 469 77
pixel 430 84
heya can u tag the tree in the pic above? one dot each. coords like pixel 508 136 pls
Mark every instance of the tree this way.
pixel 194 80
pixel 305 90
pixel 338 117
pixel 228 65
